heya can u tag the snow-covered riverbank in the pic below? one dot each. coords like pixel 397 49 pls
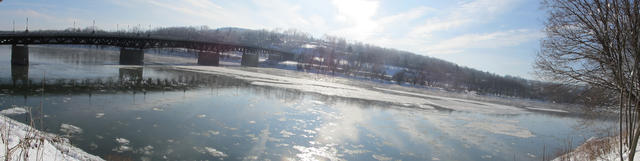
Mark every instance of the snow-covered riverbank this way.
pixel 597 149
pixel 26 143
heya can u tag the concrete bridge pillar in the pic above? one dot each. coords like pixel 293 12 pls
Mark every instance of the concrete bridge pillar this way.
pixel 209 58
pixel 19 55
pixel 250 60
pixel 20 73
pixel 131 56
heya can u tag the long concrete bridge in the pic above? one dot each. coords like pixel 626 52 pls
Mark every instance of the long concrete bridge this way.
pixel 132 46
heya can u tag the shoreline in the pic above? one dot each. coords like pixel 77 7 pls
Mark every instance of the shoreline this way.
pixel 37 145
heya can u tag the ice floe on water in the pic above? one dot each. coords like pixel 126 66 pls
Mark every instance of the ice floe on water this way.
pixel 501 128
pixel 123 145
pixel 157 109
pixel 381 157
pixel 122 141
pixel 14 110
pixel 317 153
pixel 546 109
pixel 330 88
pixel 70 129
pixel 210 151
pixel 147 150
pixel 286 133
pixel 99 115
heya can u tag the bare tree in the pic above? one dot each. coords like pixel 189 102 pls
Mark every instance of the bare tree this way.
pixel 597 42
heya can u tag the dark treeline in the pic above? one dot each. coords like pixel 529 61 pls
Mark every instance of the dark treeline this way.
pixel 336 55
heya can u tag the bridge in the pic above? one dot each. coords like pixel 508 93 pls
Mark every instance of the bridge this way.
pixel 132 46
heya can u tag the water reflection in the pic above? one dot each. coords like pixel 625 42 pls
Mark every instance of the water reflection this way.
pixel 19 74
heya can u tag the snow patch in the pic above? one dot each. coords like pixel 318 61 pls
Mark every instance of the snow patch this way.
pixel 47 146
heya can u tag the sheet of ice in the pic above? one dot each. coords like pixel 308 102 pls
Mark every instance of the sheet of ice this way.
pixel 331 88
pixel 461 104
pixel 14 110
pixel 546 109
pixel 52 147
pixel 381 157
pixel 501 128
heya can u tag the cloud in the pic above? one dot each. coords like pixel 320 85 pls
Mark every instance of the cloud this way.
pixel 361 21
pixel 494 40
pixel 478 11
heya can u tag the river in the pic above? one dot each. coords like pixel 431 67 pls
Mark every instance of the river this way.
pixel 171 109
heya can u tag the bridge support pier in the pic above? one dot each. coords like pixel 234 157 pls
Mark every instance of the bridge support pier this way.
pixel 20 74
pixel 250 60
pixel 19 54
pixel 130 56
pixel 209 58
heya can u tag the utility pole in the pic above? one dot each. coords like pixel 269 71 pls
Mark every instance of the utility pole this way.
pixel 94 27
pixel 14 26
pixel 27 26
pixel 74 25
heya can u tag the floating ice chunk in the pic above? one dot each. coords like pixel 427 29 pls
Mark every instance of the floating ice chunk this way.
pixel 122 141
pixel 201 116
pixel 157 109
pixel 318 102
pixel 15 110
pixel 213 132
pixel 486 157
pixel 147 150
pixel 93 146
pixel 70 129
pixel 286 134
pixel 502 128
pixel 211 151
pixel 252 122
pixel 214 152
pixel 381 157
pixel 122 148
pixel 99 115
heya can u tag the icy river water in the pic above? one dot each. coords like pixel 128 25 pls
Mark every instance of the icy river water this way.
pixel 171 109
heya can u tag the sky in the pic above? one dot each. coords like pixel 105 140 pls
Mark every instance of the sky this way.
pixel 498 36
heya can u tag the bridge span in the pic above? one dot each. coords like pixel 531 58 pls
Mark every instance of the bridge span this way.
pixel 132 46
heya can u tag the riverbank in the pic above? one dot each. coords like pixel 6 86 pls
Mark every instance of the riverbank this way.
pixel 27 143
pixel 597 149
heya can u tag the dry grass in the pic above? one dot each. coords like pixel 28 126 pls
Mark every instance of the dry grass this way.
pixel 592 149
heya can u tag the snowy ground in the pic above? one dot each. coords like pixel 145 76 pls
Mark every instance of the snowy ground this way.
pixel 598 149
pixel 26 143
